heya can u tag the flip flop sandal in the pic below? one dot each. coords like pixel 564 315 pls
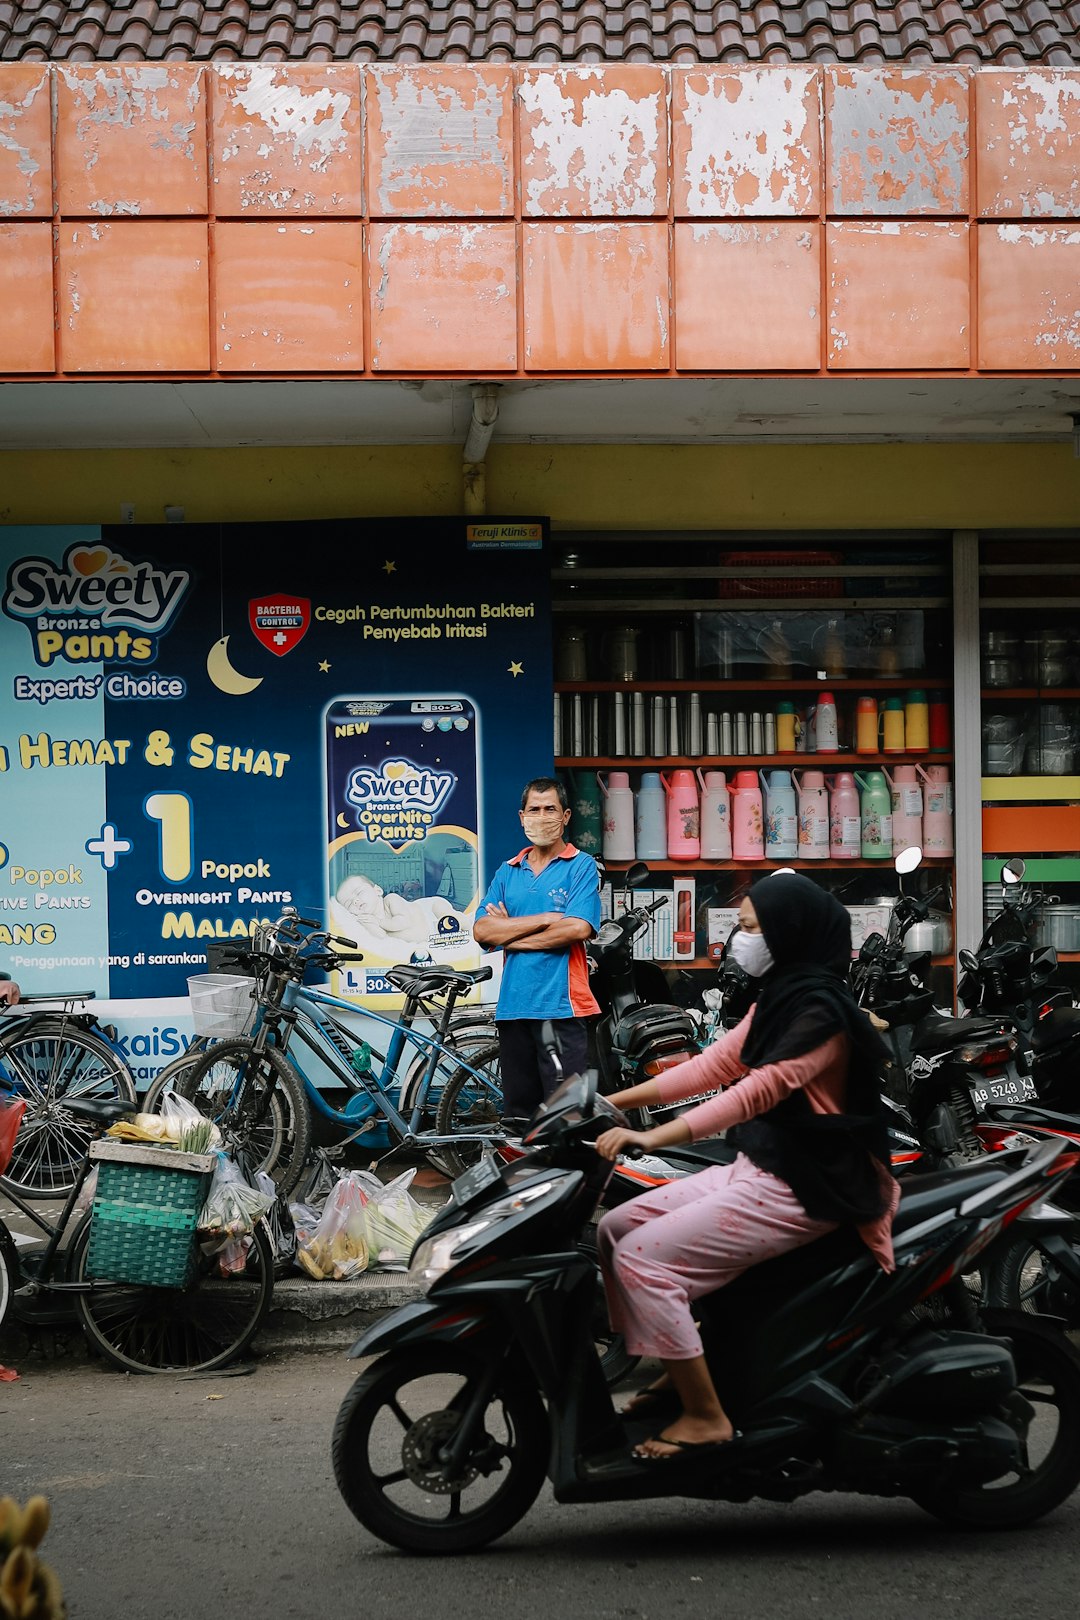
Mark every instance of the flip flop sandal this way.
pixel 689 1447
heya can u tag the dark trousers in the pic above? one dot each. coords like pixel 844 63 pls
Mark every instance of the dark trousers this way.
pixel 528 1074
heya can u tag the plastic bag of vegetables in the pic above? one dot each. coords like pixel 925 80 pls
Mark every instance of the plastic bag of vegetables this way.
pixel 394 1222
pixel 233 1207
pixel 337 1247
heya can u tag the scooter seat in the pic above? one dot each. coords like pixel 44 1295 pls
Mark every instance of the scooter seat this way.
pixel 712 1150
pixel 935 1034
pixel 1027 1114
pixel 924 1196
pixel 1062 1025
pixel 662 1027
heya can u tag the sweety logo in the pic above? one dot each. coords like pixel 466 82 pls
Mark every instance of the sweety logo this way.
pixel 398 786
pixel 98 606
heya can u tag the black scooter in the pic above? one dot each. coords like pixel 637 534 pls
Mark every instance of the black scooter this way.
pixel 840 1377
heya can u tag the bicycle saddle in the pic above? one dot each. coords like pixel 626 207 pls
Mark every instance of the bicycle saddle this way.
pixel 100 1110
pixel 426 980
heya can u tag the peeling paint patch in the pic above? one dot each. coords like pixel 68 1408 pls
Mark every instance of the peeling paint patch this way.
pixel 1029 297
pixel 1029 143
pixel 286 139
pixel 746 142
pixel 593 141
pixel 445 299
pixel 899 295
pixel 25 142
pixel 898 141
pixel 131 138
pixel 440 141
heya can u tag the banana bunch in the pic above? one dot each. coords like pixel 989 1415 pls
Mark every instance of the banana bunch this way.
pixel 341 1256
pixel 28 1588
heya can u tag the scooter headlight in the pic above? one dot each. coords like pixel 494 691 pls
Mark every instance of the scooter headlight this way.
pixel 433 1257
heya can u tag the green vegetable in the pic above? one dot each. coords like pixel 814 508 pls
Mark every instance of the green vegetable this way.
pixel 196 1138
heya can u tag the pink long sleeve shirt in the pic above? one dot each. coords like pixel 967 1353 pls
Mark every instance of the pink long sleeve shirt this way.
pixel 820 1073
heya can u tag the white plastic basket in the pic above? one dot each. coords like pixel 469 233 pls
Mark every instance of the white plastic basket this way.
pixel 222 1004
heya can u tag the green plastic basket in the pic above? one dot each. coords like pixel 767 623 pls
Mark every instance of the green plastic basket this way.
pixel 146 1207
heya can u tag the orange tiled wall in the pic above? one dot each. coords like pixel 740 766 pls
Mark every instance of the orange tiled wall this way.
pixel 333 219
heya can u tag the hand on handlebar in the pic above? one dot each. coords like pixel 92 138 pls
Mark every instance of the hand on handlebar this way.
pixel 617 1140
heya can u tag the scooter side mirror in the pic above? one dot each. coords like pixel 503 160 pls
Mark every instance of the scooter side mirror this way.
pixel 637 876
pixel 907 860
pixel 968 961
pixel 1014 869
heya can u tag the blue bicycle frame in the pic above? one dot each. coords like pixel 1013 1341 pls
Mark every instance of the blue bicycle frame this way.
pixel 322 1036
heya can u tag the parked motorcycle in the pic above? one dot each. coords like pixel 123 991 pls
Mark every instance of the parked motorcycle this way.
pixel 640 1031
pixel 1012 978
pixel 961 1088
pixel 839 1376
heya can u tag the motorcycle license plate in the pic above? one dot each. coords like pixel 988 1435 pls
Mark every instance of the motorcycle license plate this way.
pixel 478 1179
pixel 1013 1089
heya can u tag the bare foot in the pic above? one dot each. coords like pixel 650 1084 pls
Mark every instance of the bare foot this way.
pixel 685 1431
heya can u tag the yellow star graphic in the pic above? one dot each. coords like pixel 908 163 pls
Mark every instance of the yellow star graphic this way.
pixel 515 668
pixel 389 568
pixel 325 667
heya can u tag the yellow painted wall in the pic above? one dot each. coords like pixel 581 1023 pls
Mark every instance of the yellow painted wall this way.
pixel 802 486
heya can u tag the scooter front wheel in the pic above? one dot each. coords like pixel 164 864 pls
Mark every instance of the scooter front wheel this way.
pixel 391 1439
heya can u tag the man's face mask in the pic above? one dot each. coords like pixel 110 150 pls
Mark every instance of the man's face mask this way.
pixel 542 826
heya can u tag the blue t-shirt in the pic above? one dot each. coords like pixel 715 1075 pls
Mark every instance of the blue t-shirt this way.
pixel 547 984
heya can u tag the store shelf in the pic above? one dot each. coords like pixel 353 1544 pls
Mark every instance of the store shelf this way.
pixel 1009 789
pixel 579 605
pixel 1030 694
pixel 748 762
pixel 848 684
pixel 771 865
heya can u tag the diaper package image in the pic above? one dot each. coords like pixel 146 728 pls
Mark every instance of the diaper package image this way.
pixel 403 855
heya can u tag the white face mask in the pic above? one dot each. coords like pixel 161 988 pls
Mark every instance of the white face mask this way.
pixel 751 953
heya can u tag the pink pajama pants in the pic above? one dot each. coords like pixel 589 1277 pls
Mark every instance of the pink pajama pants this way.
pixel 669 1247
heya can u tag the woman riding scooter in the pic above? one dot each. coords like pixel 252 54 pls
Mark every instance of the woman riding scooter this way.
pixel 813 1152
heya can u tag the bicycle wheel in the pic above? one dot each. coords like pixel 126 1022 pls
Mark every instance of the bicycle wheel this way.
pixel 9 1270
pixel 470 1101
pixel 463 1041
pixel 45 1064
pixel 257 1102
pixel 166 1080
pixel 194 1329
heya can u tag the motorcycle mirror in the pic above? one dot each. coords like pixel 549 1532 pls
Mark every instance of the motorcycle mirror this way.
pixel 600 866
pixel 908 860
pixel 636 876
pixel 968 961
pixel 1014 869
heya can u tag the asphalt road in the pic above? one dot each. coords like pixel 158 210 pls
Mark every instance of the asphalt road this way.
pixel 213 1499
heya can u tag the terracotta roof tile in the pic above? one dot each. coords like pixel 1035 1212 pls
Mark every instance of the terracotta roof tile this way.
pixel 916 32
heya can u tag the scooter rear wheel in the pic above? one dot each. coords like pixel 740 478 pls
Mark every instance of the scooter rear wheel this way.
pixel 393 1424
pixel 1048 1377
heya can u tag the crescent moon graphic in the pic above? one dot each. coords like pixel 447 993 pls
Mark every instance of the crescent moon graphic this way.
pixel 341 821
pixel 222 673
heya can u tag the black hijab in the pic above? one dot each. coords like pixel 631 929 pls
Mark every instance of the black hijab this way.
pixel 804 999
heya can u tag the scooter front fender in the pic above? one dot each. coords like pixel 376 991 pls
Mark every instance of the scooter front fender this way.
pixel 426 1319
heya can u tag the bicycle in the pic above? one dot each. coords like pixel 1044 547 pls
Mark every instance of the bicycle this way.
pixel 263 1096
pixel 467 1028
pixel 197 1328
pixel 48 1058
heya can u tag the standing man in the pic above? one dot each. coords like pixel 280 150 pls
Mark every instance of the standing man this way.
pixel 540 909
